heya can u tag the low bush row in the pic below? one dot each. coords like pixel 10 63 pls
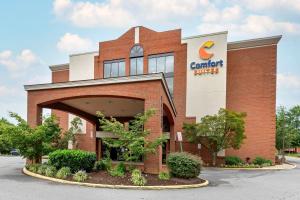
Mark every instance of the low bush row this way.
pixel 62 163
pixel 234 161
pixel 76 160
pixel 62 173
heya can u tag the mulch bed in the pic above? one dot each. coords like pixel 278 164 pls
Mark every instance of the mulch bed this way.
pixel 102 177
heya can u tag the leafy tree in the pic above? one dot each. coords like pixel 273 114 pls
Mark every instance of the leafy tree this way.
pixel 69 135
pixel 217 132
pixel 5 142
pixel 33 143
pixel 133 138
pixel 294 121
pixel 287 128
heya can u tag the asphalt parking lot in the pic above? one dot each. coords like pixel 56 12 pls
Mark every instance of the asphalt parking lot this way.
pixel 224 184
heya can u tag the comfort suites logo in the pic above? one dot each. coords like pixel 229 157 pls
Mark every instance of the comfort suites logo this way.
pixel 203 54
pixel 209 66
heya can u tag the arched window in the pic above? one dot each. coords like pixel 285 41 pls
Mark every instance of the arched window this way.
pixel 136 60
pixel 136 51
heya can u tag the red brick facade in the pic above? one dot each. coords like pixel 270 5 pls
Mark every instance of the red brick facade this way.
pixel 251 88
pixel 60 76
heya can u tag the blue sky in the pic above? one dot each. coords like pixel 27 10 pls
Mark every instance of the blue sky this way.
pixel 35 34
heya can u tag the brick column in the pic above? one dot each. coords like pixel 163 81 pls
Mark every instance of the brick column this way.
pixel 153 162
pixel 34 112
pixel 172 138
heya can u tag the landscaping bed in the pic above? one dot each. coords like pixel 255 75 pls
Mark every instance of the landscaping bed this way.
pixel 80 166
pixel 103 177
pixel 236 162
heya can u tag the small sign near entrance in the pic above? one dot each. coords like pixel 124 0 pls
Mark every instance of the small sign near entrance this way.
pixel 179 136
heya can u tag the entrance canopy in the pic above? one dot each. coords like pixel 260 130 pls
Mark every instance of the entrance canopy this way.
pixel 117 97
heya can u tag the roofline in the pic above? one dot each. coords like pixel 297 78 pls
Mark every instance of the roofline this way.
pixel 204 35
pixel 116 80
pixel 60 67
pixel 256 42
pixel 83 53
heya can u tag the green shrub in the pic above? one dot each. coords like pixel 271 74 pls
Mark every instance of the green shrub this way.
pixel 33 167
pixel 50 171
pixel 233 160
pixel 42 169
pixel 118 170
pixel 184 165
pixel 261 161
pixel 104 164
pixel 164 176
pixel 80 176
pixel 63 173
pixel 74 159
pixel 137 178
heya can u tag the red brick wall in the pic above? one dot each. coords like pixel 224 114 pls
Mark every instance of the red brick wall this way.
pixel 251 88
pixel 60 76
pixel 153 43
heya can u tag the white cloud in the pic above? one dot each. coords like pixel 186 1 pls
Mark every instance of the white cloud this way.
pixel 72 43
pixel 5 91
pixel 213 14
pixel 258 5
pixel 119 13
pixel 265 24
pixel 60 6
pixel 87 14
pixel 18 64
pixel 252 25
pixel 288 81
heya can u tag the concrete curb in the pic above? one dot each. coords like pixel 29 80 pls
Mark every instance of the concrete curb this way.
pixel 25 171
pixel 293 166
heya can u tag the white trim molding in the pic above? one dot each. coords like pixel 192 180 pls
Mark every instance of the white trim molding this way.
pixel 252 43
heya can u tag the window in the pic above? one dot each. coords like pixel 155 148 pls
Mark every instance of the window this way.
pixel 136 60
pixel 136 66
pixel 114 68
pixel 163 63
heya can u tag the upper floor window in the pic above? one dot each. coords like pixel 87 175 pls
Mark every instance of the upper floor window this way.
pixel 163 63
pixel 136 60
pixel 114 68
pixel 136 51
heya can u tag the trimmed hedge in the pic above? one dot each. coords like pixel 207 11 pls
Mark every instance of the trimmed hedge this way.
pixel 262 161
pixel 74 159
pixel 184 165
pixel 233 160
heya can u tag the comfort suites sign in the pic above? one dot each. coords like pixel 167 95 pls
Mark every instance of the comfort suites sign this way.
pixel 206 74
pixel 207 66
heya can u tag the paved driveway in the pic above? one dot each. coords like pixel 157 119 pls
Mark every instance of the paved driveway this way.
pixel 225 185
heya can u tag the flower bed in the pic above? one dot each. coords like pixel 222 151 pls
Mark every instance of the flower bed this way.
pixel 103 177
pixel 236 162
pixel 107 174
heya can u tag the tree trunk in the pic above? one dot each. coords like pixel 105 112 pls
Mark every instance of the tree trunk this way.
pixel 214 158
pixel 36 160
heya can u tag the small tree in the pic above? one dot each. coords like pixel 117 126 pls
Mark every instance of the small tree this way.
pixel 70 135
pixel 5 142
pixel 33 143
pixel 133 138
pixel 287 128
pixel 217 132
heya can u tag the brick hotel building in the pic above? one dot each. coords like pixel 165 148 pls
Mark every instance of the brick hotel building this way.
pixel 184 79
